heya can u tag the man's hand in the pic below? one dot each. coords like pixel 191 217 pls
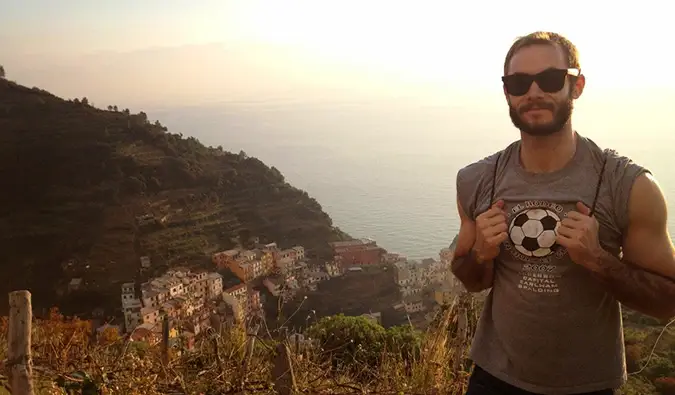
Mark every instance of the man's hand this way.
pixel 490 232
pixel 578 233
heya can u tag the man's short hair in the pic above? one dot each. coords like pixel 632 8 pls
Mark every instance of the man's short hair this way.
pixel 548 38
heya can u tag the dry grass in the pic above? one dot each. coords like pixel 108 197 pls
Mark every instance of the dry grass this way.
pixel 65 354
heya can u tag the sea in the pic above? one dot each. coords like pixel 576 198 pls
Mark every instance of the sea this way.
pixel 385 169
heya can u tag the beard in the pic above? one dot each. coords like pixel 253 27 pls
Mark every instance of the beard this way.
pixel 561 114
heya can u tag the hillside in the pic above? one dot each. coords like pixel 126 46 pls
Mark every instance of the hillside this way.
pixel 87 192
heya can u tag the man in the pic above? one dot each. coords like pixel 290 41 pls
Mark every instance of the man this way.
pixel 562 232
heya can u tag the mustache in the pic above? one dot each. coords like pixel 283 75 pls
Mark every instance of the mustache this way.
pixel 539 105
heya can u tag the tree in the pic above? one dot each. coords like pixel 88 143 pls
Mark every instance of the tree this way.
pixel 2 71
pixel 349 342
pixel 660 367
pixel 404 340
pixel 277 174
pixel 143 117
pixel 245 238
pixel 637 386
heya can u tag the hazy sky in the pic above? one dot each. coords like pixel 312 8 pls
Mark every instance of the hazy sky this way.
pixel 440 60
pixel 170 52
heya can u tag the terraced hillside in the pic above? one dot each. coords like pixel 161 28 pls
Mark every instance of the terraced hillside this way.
pixel 87 192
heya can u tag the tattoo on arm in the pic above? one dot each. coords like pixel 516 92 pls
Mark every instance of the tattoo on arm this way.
pixel 639 289
pixel 474 275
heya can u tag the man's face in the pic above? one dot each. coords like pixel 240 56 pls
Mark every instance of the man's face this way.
pixel 537 112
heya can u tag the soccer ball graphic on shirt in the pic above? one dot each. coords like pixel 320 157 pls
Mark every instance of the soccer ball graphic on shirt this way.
pixel 533 232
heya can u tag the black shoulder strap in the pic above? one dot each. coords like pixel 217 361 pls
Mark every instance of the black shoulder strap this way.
pixel 494 179
pixel 492 191
pixel 597 187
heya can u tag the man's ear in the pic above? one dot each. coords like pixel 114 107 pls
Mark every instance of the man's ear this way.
pixel 578 87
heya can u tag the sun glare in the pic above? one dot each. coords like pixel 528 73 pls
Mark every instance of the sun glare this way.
pixel 448 41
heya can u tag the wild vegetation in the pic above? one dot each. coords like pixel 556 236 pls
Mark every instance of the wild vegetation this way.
pixel 374 289
pixel 651 373
pixel 89 191
pixel 349 355
pixel 340 355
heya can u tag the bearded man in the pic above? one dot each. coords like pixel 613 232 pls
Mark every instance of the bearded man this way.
pixel 561 232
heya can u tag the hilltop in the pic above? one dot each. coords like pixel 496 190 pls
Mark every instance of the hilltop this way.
pixel 87 192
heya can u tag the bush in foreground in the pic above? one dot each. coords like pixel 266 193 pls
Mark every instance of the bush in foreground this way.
pixel 66 357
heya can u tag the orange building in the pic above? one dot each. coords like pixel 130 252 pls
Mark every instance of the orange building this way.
pixel 358 252
pixel 223 259
pixel 267 261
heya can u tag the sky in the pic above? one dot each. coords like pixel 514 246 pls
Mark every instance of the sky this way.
pixel 175 52
pixel 418 80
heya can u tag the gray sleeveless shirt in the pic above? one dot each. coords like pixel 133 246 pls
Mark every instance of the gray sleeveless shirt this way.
pixel 547 325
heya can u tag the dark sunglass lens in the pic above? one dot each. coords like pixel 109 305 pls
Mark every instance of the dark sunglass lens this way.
pixel 517 84
pixel 551 81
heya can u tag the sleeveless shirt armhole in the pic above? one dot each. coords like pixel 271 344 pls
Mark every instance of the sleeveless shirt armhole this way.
pixel 473 182
pixel 621 173
pixel 466 183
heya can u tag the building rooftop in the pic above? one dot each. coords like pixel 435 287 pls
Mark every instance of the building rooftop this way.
pixel 230 253
pixel 215 276
pixel 351 243
pixel 413 299
pixel 235 288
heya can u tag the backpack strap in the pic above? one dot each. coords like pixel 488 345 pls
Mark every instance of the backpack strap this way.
pixel 492 190
pixel 494 179
pixel 597 187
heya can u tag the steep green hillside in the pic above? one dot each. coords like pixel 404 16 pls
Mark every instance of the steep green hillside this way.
pixel 77 181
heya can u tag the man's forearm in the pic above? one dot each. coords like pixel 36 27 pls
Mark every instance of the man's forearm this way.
pixel 639 289
pixel 474 275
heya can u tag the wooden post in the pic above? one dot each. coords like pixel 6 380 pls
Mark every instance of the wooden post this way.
pixel 19 359
pixel 282 371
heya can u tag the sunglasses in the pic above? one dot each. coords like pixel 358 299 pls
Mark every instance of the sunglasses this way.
pixel 549 81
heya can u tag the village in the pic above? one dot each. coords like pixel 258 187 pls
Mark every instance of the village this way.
pixel 194 300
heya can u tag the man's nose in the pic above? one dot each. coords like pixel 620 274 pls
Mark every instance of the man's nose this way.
pixel 534 91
